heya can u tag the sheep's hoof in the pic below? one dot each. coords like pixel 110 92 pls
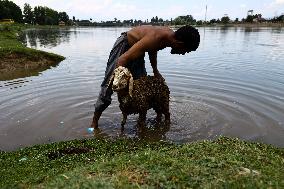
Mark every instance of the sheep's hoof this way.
pixel 122 128
pixel 158 118
pixel 141 122
pixel 123 123
pixel 167 121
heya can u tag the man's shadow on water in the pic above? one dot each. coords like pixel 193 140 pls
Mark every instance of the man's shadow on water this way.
pixel 150 131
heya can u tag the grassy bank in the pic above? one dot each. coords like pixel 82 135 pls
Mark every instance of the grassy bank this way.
pixel 18 60
pixel 224 163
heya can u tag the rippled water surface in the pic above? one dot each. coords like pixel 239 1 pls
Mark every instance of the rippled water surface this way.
pixel 233 85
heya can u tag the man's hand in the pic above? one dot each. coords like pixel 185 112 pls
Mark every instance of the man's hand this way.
pixel 121 62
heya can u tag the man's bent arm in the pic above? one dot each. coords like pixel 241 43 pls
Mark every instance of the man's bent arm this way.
pixel 146 44
pixel 153 61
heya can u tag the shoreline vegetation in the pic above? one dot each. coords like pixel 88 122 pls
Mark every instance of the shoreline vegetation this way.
pixel 132 163
pixel 17 60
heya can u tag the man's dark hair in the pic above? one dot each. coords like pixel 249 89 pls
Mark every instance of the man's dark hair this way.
pixel 189 35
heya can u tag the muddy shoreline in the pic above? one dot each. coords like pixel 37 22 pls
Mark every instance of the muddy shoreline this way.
pixel 15 64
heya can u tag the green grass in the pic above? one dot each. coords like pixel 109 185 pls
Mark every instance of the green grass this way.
pixel 15 57
pixel 127 163
pixel 9 43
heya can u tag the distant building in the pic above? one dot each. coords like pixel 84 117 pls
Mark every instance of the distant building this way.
pixel 250 12
pixel 84 23
pixel 6 21
pixel 61 23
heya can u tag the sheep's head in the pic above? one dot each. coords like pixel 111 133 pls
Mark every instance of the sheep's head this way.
pixel 122 78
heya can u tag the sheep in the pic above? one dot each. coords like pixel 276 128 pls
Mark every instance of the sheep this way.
pixel 138 96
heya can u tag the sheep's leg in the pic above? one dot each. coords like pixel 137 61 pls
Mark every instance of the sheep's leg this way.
pixel 167 117
pixel 123 119
pixel 166 111
pixel 159 117
pixel 142 117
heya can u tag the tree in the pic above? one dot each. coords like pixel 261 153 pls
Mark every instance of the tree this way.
pixel 51 16
pixel 48 16
pixel 281 18
pixel 28 14
pixel 9 10
pixel 249 18
pixel 39 15
pixel 225 19
pixel 184 20
pixel 213 21
pixel 62 16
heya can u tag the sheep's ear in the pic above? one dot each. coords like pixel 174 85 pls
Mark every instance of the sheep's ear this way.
pixel 111 80
pixel 131 86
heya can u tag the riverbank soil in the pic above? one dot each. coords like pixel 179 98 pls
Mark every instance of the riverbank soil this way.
pixel 19 61
pixel 130 163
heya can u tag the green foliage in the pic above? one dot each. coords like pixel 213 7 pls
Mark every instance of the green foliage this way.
pixel 130 163
pixel 40 15
pixel 62 16
pixel 9 10
pixel 278 19
pixel 28 14
pixel 46 16
pixel 250 18
pixel 225 20
pixel 184 20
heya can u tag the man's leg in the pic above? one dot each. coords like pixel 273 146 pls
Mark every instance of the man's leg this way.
pixel 104 99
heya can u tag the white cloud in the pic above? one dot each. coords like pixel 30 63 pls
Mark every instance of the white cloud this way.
pixel 276 3
pixel 132 9
pixel 279 2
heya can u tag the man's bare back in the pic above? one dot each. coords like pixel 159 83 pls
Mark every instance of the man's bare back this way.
pixel 154 32
pixel 146 39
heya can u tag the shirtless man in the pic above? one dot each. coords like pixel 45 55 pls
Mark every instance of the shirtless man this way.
pixel 129 51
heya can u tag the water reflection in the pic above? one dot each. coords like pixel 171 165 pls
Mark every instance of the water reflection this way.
pixel 224 29
pixel 151 131
pixel 16 83
pixel 46 37
pixel 38 38
pixel 22 73
pixel 277 29
pixel 154 132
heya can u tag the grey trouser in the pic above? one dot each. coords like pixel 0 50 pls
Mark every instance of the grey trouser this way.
pixel 136 67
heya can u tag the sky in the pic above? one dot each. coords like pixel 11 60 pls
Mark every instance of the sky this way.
pixel 103 10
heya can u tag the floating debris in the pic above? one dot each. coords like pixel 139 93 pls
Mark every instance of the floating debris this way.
pixel 90 130
pixel 23 159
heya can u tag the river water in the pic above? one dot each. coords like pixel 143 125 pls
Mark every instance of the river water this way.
pixel 233 85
